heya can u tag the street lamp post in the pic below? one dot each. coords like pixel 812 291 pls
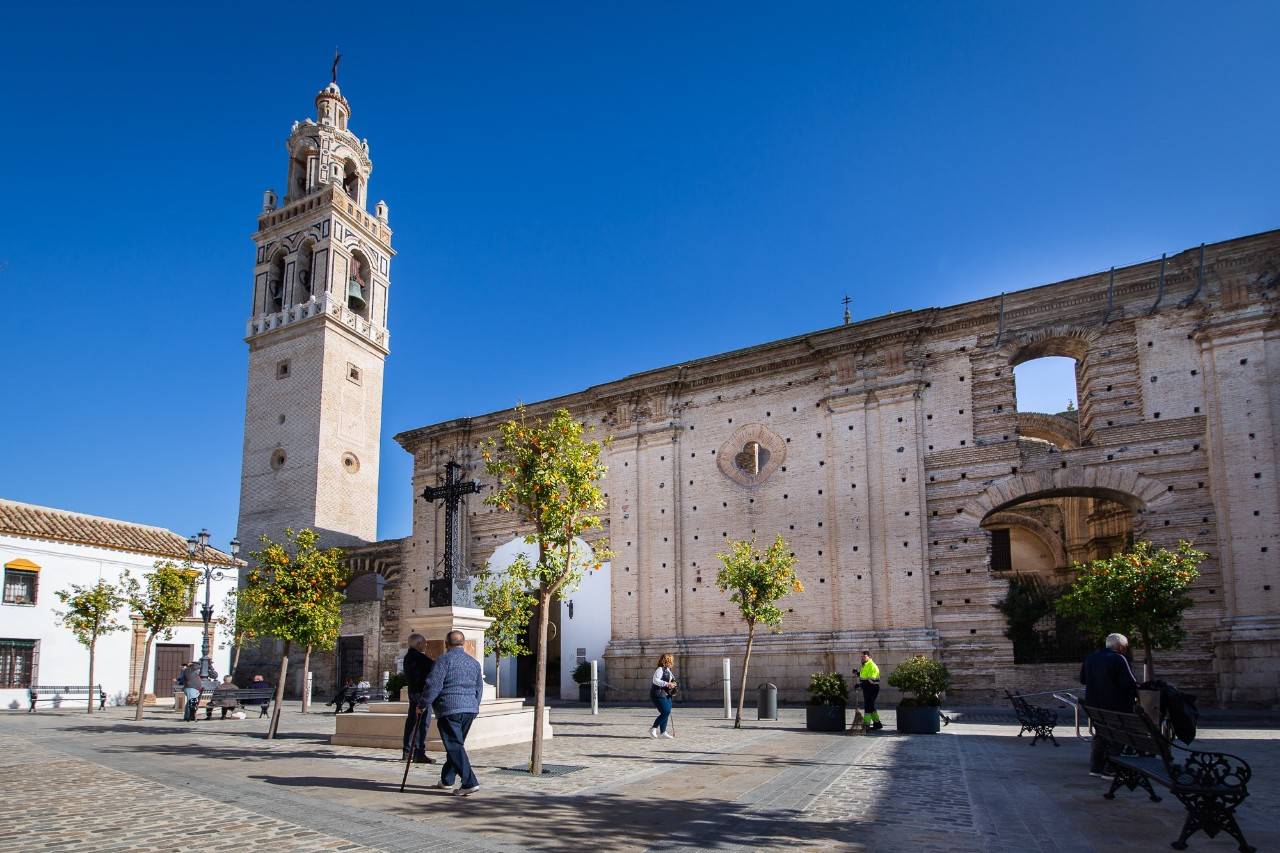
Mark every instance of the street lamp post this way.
pixel 199 543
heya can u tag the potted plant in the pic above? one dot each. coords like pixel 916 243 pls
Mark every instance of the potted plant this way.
pixel 395 683
pixel 924 680
pixel 828 695
pixel 582 675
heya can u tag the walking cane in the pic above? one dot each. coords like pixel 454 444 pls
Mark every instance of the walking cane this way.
pixel 413 748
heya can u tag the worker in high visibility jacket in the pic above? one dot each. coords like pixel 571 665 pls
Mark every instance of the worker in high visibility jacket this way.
pixel 869 681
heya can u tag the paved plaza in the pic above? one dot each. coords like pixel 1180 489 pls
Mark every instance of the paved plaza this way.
pixel 105 783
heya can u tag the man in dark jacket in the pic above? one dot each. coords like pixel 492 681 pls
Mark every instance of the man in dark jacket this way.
pixel 1108 684
pixel 454 691
pixel 417 667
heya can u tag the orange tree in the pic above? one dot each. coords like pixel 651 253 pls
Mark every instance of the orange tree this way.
pixel 294 593
pixel 547 473
pixel 755 582
pixel 157 607
pixel 1140 592
pixel 91 612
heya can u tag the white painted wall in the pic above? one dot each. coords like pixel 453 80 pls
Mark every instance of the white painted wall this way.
pixel 589 628
pixel 62 660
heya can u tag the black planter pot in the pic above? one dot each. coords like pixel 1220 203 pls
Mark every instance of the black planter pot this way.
pixel 824 718
pixel 584 692
pixel 393 696
pixel 918 719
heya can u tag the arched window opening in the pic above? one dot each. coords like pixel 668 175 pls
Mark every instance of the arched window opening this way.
pixel 351 180
pixel 298 178
pixel 1047 388
pixel 1034 543
pixel 275 284
pixel 302 275
pixel 358 284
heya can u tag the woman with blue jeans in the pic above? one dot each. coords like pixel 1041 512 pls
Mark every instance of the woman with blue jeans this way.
pixel 660 692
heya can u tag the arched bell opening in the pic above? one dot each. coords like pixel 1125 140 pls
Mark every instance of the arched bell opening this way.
pixel 275 284
pixel 359 284
pixel 303 284
pixel 351 180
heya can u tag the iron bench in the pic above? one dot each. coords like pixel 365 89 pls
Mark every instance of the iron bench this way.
pixel 1035 719
pixel 352 696
pixel 56 694
pixel 1210 785
pixel 246 698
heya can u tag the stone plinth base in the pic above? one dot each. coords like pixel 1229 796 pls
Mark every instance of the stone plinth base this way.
pixel 501 722
pixel 1247 660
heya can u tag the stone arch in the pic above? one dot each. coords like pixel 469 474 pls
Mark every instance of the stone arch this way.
pixel 1061 432
pixel 1138 493
pixel 1062 340
pixel 1034 526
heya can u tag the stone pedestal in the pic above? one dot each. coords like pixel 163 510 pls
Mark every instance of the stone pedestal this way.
pixel 1247 660
pixel 501 722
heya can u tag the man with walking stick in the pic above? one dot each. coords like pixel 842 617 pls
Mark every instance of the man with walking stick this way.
pixel 454 690
pixel 417 666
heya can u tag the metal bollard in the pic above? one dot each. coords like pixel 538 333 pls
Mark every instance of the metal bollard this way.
pixel 595 688
pixel 728 692
pixel 767 702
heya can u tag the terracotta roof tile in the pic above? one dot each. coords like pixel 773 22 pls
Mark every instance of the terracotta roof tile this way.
pixel 42 522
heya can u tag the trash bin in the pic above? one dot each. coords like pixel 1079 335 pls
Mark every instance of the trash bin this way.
pixel 767 702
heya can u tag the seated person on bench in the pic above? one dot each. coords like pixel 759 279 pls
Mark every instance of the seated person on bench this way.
pixel 347 693
pixel 223 701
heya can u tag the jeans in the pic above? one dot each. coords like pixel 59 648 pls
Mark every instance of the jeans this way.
pixel 193 696
pixel 453 732
pixel 418 736
pixel 662 702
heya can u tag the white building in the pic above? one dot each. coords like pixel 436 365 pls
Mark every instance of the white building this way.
pixel 44 550
pixel 579 629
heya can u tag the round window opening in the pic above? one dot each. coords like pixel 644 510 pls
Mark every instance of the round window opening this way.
pixel 350 463
pixel 752 458
pixel 277 460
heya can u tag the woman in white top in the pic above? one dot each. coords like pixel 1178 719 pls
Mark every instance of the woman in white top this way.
pixel 660 693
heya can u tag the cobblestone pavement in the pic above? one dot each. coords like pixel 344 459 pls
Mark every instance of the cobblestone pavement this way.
pixel 77 783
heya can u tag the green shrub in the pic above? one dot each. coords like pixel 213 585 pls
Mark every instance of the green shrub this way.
pixel 923 678
pixel 395 683
pixel 582 673
pixel 828 688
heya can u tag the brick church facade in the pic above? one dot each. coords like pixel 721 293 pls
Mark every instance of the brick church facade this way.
pixel 890 453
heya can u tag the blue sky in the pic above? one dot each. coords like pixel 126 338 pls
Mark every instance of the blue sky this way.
pixel 578 192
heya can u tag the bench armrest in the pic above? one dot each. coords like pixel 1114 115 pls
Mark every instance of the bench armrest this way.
pixel 1212 770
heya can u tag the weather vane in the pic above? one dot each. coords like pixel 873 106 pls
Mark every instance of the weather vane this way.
pixel 337 57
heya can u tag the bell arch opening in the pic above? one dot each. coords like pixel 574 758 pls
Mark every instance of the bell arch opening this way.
pixel 358 284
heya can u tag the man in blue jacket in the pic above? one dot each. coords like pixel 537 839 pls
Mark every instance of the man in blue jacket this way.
pixel 453 690
pixel 1108 684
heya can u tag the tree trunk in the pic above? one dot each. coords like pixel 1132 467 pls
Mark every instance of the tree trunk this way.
pixel 1148 662
pixel 93 645
pixel 742 686
pixel 275 710
pixel 142 679
pixel 235 660
pixel 497 677
pixel 540 683
pixel 306 668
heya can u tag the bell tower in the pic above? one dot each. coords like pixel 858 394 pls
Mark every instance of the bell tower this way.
pixel 317 335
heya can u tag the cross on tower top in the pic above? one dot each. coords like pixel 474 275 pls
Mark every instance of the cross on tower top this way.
pixel 452 492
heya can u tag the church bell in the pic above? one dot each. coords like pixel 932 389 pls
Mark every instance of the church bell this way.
pixel 355 295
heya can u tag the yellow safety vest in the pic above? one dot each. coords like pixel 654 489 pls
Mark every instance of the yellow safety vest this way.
pixel 869 672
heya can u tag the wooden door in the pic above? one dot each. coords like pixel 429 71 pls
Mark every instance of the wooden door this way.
pixel 350 660
pixel 170 659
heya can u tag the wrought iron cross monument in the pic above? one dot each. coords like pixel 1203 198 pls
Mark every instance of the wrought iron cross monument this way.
pixel 452 492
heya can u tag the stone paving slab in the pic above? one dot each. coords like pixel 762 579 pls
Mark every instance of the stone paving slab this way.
pixel 770 785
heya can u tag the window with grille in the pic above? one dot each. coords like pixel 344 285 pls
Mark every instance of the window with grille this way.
pixel 19 586
pixel 1001 553
pixel 17 662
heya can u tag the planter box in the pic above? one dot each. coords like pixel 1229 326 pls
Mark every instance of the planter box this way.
pixel 919 719
pixel 584 693
pixel 824 718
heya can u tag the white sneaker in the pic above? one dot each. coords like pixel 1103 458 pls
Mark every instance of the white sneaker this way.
pixel 669 735
pixel 653 732
pixel 466 792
